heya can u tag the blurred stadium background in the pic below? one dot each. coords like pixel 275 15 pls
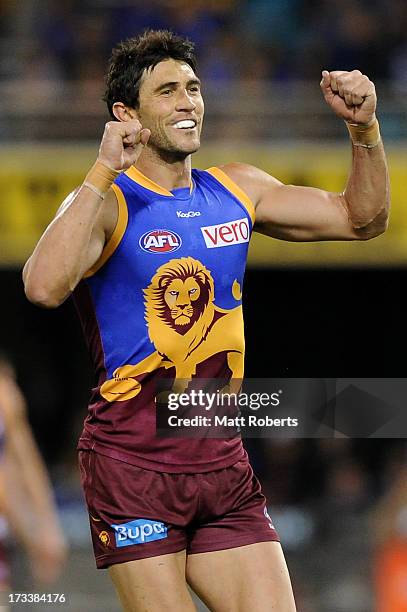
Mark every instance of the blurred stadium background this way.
pixel 312 310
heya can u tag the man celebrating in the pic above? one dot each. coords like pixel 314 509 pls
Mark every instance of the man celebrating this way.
pixel 155 253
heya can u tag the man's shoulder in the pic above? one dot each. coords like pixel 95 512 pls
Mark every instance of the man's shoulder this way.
pixel 249 179
pixel 245 175
pixel 252 180
pixel 238 171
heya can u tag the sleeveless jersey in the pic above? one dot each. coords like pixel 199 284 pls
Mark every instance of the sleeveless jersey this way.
pixel 164 300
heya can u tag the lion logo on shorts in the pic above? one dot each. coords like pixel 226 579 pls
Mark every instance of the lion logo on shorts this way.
pixel 104 538
pixel 185 326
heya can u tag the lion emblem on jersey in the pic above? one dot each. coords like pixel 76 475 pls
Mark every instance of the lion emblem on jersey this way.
pixel 179 302
pixel 185 327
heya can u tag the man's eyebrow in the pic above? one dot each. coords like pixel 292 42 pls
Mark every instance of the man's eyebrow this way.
pixel 194 81
pixel 172 84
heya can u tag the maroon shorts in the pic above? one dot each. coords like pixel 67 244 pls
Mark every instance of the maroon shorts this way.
pixel 136 513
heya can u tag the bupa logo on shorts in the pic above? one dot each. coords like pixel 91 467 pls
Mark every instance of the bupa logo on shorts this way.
pixel 226 234
pixel 139 531
pixel 160 241
pixel 188 215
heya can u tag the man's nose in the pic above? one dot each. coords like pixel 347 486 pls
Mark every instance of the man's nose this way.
pixel 185 101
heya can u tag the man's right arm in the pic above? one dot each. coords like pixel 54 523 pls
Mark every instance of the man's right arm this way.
pixel 70 245
pixel 74 240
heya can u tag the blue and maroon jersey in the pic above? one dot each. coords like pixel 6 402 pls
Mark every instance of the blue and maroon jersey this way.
pixel 164 302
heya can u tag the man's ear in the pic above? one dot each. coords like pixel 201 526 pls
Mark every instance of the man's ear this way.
pixel 123 112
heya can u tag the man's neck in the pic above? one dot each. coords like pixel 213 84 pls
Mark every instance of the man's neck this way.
pixel 166 173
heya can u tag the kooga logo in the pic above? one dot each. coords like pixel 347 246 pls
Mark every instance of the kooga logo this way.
pixel 226 234
pixel 139 531
pixel 188 215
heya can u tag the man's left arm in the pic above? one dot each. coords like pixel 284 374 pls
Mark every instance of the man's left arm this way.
pixel 361 211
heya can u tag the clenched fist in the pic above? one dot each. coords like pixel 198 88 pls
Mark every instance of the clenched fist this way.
pixel 350 94
pixel 122 144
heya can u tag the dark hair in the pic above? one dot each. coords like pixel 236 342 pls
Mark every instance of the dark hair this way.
pixel 131 57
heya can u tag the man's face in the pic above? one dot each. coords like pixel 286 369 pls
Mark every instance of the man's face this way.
pixel 171 106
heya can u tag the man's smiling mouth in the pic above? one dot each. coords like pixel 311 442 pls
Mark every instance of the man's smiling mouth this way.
pixel 185 124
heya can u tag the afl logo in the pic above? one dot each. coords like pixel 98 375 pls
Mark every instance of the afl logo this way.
pixel 160 241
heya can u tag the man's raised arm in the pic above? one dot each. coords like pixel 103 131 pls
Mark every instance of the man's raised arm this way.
pixel 361 211
pixel 74 240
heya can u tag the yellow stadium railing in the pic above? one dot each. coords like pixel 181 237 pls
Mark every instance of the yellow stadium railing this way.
pixel 35 179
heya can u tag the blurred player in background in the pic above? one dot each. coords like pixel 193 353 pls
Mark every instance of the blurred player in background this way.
pixel 389 538
pixel 139 245
pixel 26 499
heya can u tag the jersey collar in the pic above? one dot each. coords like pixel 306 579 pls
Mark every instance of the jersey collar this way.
pixel 149 184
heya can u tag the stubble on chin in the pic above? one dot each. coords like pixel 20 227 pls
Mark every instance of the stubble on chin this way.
pixel 169 150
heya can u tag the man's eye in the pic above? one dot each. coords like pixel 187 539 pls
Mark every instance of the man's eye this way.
pixel 166 92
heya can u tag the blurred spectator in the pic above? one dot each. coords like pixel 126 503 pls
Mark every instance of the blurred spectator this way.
pixel 359 40
pixel 221 63
pixel 125 19
pixel 57 31
pixel 282 39
pixel 26 499
pixel 389 534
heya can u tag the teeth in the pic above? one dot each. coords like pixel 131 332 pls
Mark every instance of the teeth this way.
pixel 186 123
